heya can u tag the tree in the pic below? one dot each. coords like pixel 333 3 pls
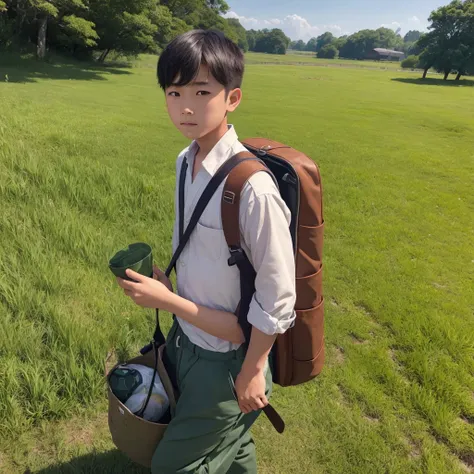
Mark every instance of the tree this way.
pixel 240 32
pixel 340 42
pixel 123 26
pixel 44 10
pixel 65 18
pixel 252 36
pixel 183 8
pixel 77 33
pixel 430 50
pixel 220 6
pixel 411 62
pixel 299 45
pixel 272 42
pixel 412 36
pixel 329 51
pixel 358 45
pixel 387 38
pixel 81 27
pixel 323 40
pixel 312 45
pixel 450 43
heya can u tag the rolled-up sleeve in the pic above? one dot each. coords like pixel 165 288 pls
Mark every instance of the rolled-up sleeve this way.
pixel 264 220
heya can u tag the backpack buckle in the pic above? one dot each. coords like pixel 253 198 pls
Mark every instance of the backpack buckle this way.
pixel 236 256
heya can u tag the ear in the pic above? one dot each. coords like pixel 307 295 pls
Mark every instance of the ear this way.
pixel 233 99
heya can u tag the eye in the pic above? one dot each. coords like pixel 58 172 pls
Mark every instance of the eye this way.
pixel 203 93
pixel 173 94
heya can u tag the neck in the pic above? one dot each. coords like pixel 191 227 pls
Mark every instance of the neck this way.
pixel 208 142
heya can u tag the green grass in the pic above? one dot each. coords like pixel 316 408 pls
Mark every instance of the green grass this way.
pixel 309 59
pixel 87 165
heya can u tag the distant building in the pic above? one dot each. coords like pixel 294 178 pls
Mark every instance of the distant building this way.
pixel 381 54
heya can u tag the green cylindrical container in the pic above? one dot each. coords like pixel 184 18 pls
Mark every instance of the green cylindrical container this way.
pixel 137 257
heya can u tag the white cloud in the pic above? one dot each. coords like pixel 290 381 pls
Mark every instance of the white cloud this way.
pixel 294 26
pixel 393 26
pixel 414 19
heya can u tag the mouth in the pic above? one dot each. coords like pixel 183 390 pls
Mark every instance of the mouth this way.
pixel 188 124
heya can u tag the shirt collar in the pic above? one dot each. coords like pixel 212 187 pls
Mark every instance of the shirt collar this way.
pixel 218 155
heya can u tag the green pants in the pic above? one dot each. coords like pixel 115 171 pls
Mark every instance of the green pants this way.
pixel 208 433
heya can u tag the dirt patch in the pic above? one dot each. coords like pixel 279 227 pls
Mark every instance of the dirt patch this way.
pixel 467 462
pixel 469 419
pixel 364 308
pixel 315 78
pixel 334 302
pixel 371 418
pixel 339 356
pixel 393 357
pixel 415 450
pixel 357 339
pixel 344 399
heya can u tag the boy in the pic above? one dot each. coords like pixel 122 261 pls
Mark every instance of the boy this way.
pixel 201 74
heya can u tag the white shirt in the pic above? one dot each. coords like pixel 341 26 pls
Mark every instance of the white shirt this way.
pixel 203 274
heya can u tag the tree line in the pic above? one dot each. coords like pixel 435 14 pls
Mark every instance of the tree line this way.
pixel 449 45
pixel 83 28
pixel 357 46
pixel 86 28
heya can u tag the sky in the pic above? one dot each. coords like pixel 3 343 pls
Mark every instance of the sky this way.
pixel 304 19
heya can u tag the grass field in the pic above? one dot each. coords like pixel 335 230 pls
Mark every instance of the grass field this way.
pixel 309 59
pixel 87 166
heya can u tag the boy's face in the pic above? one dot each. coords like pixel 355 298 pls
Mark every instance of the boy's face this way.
pixel 200 106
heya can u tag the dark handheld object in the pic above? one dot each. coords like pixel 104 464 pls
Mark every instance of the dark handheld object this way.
pixel 138 257
pixel 275 419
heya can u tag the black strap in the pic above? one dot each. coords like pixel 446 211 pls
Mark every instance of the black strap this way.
pixel 140 412
pixel 206 196
pixel 247 288
pixel 211 188
pixel 182 182
pixel 158 336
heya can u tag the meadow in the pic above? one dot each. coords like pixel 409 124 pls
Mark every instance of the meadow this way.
pixel 87 163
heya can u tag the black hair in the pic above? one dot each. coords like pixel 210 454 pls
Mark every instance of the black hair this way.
pixel 180 61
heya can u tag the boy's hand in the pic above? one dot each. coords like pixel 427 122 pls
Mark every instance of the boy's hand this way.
pixel 144 291
pixel 250 387
pixel 162 278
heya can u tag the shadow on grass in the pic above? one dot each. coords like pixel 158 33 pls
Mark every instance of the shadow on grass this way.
pixel 26 68
pixel 112 462
pixel 435 82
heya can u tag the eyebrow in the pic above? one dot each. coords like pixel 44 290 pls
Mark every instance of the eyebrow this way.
pixel 194 83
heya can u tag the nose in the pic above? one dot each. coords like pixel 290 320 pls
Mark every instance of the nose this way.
pixel 187 111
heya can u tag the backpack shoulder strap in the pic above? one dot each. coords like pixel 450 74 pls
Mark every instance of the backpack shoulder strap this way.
pixel 230 205
pixel 230 210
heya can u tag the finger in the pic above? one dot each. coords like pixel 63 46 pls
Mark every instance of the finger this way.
pixel 134 275
pixel 256 404
pixel 157 271
pixel 128 292
pixel 245 409
pixel 264 400
pixel 161 277
pixel 125 284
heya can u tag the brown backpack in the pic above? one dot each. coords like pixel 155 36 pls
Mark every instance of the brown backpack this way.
pixel 299 352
